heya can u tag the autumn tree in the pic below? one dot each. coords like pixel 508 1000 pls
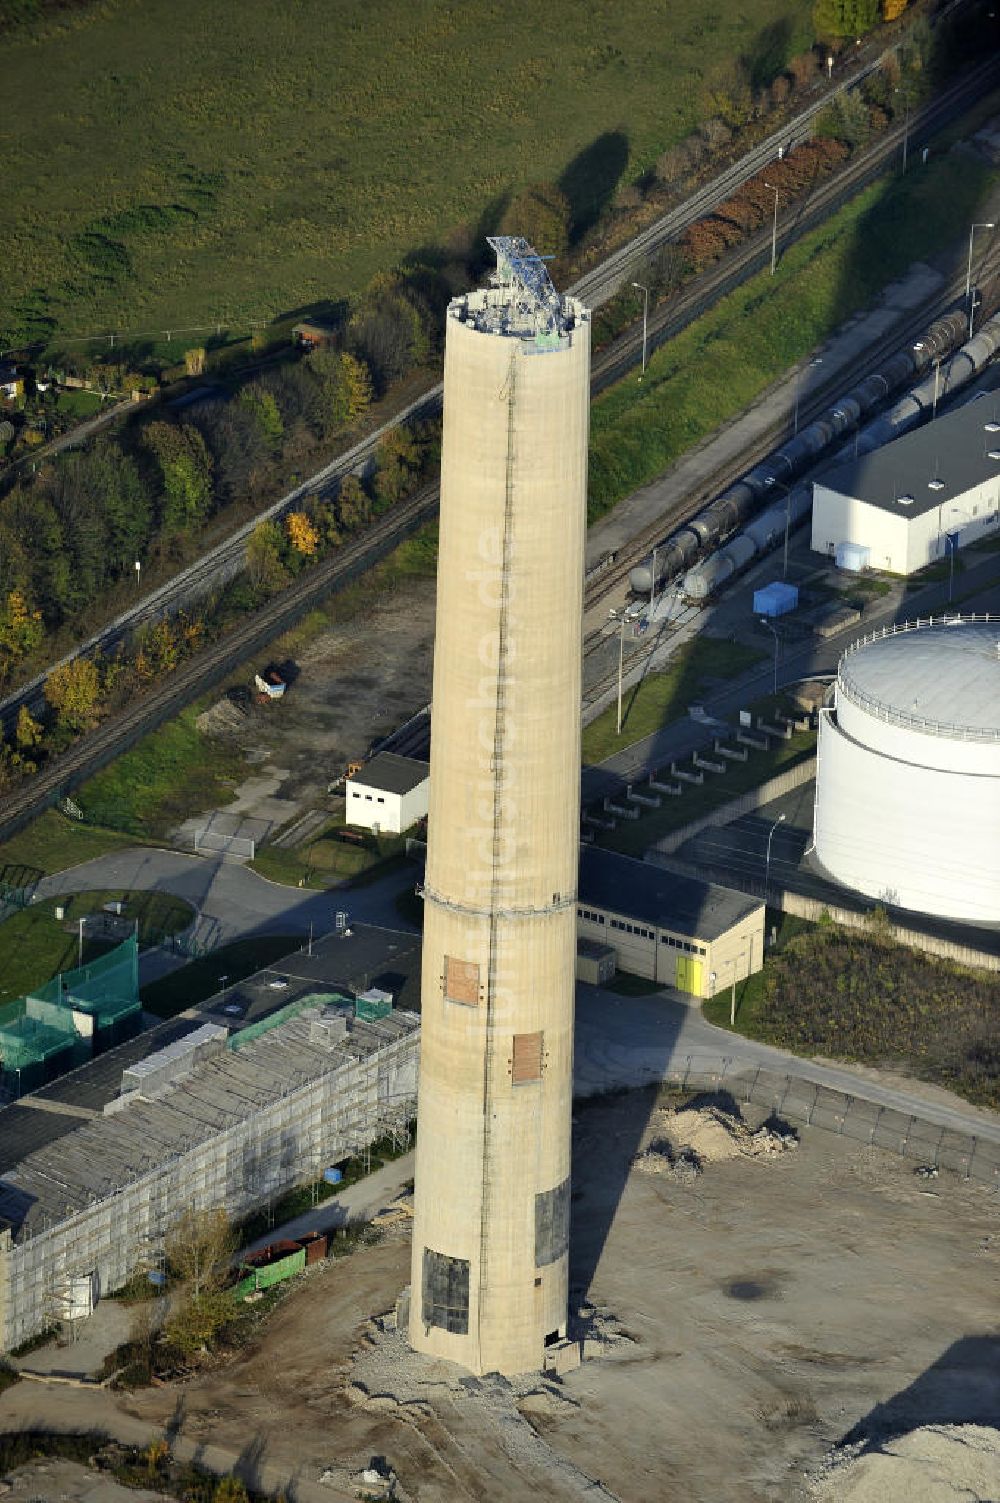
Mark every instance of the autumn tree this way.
pixel 302 534
pixel 397 462
pixel 194 361
pixel 265 557
pixel 185 467
pixel 21 629
pixel 388 333
pixel 28 732
pixel 845 18
pixel 345 384
pixel 354 506
pixel 727 93
pixel 73 692
pixel 199 1248
pixel 263 407
pixel 542 214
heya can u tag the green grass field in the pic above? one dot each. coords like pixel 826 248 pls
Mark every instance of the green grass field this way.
pixel 36 945
pixel 172 773
pixel 660 697
pixel 51 844
pixel 178 162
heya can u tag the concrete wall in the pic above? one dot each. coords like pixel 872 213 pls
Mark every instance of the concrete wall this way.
pixel 774 788
pixel 493 1154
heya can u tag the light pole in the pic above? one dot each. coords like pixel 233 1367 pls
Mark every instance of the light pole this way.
pixel 774 633
pixel 652 586
pixel 774 228
pixel 937 376
pixel 906 122
pixel 985 224
pixel 138 573
pixel 767 859
pixel 798 391
pixel 621 661
pixel 645 322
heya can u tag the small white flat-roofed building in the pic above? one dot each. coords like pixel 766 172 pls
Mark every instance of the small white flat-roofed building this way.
pixel 676 930
pixel 389 793
pixel 902 502
pixel 908 768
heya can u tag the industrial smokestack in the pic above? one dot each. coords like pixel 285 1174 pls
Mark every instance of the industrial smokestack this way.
pixel 490 1241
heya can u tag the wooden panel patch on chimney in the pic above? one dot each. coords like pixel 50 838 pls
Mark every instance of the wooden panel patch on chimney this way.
pixel 526 1063
pixel 461 981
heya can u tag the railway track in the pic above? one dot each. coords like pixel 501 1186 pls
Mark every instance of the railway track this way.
pixel 604 578
pixel 192 679
pixel 902 336
pixel 595 287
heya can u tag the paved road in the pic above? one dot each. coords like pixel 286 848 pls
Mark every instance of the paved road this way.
pixel 238 900
pixel 629 1041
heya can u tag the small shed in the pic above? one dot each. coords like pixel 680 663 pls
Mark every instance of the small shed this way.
pixel 390 792
pixel 852 556
pixel 595 963
pixel 775 599
pixel 312 333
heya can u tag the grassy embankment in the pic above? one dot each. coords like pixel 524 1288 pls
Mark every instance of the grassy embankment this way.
pixel 855 995
pixel 724 361
pixel 36 945
pixel 249 194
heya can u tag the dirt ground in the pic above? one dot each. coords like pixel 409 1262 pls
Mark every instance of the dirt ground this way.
pixel 767 1308
pixel 354 682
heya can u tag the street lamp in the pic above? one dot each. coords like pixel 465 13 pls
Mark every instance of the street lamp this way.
pixel 906 122
pixel 767 859
pixel 798 391
pixel 774 228
pixel 774 632
pixel 985 224
pixel 645 321
pixel 621 661
pixel 937 376
pixel 138 572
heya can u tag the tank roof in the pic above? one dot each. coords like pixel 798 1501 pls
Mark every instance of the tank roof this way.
pixel 940 676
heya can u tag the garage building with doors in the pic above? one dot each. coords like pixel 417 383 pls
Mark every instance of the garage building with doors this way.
pixel 389 793
pixel 671 929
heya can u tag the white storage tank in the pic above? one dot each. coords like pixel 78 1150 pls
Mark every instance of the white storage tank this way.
pixel 908 768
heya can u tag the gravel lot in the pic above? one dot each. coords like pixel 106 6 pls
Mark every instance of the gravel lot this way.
pixel 751 1317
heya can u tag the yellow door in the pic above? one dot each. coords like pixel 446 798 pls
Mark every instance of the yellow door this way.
pixel 689 975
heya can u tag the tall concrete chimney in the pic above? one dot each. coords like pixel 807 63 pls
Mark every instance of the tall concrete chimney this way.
pixel 490 1237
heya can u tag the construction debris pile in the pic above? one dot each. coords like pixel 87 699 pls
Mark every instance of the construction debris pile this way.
pixel 932 1464
pixel 680 1143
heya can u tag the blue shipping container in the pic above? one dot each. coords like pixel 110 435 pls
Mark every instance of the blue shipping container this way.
pixel 775 599
pixel 333 1176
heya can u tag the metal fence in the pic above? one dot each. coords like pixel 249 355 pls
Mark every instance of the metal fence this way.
pixel 847 1114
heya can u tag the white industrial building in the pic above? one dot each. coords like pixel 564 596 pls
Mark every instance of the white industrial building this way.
pixel 896 508
pixel 389 793
pixel 908 768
